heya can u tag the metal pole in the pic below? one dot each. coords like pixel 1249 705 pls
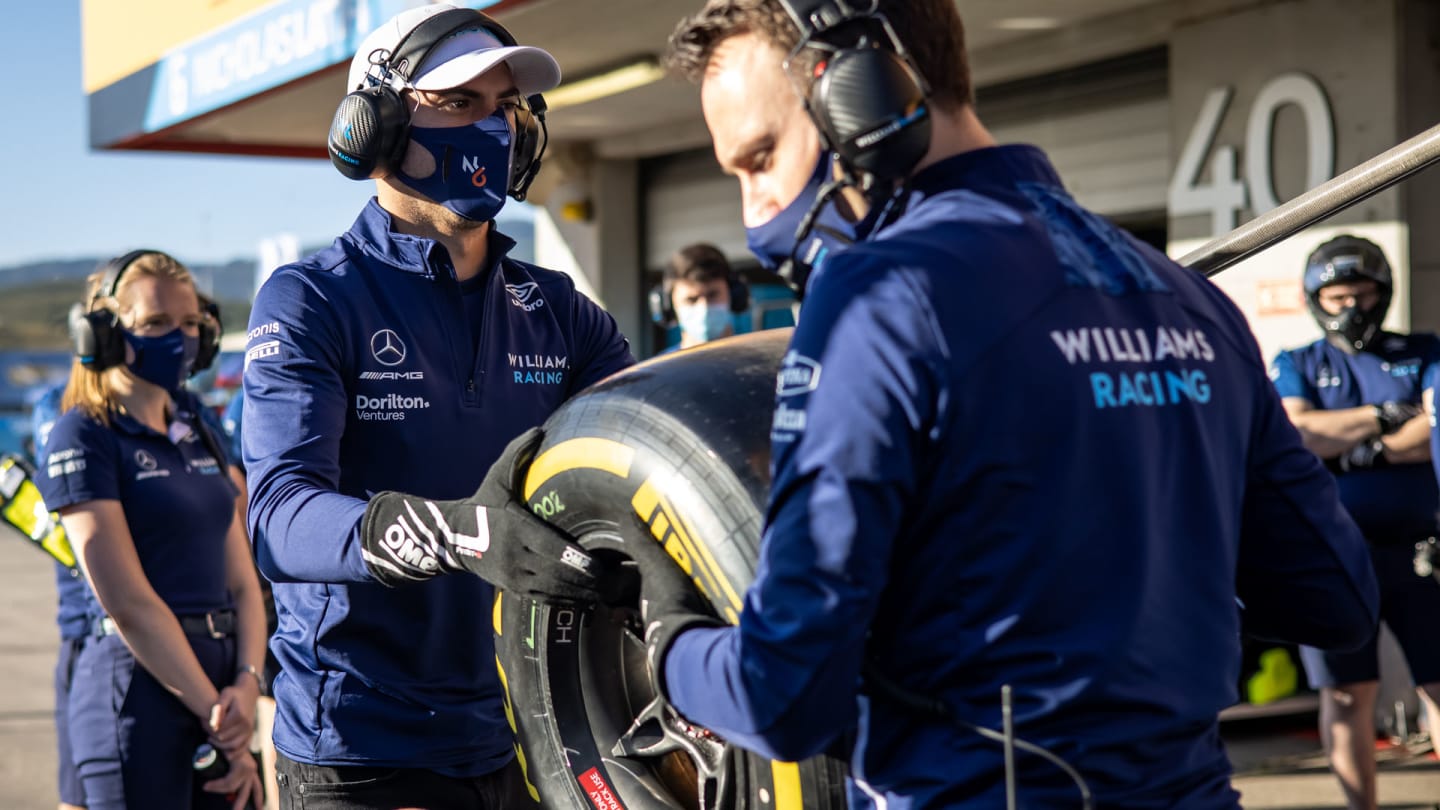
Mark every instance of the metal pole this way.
pixel 1325 200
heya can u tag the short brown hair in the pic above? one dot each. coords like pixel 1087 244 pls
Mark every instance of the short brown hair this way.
pixel 91 390
pixel 930 29
pixel 701 263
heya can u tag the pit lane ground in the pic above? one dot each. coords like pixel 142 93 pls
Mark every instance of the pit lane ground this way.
pixel 1278 761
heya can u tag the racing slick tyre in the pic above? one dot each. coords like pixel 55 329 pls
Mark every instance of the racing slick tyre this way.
pixel 676 450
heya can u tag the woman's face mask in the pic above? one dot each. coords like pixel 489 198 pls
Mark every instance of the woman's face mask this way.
pixel 166 360
pixel 472 166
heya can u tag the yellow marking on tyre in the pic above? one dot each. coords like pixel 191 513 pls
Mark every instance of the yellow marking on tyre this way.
pixel 664 520
pixel 510 718
pixel 786 776
pixel 579 454
pixel 499 628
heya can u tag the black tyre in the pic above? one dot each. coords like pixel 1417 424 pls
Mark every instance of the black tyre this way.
pixel 682 442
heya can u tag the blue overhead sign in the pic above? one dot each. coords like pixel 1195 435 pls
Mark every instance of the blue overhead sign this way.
pixel 266 49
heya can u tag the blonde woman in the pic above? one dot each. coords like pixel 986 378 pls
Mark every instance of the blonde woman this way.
pixel 141 487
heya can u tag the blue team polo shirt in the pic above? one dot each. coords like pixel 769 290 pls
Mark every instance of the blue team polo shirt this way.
pixel 370 367
pixel 1394 502
pixel 177 500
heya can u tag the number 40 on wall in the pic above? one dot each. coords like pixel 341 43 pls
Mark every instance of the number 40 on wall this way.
pixel 1226 193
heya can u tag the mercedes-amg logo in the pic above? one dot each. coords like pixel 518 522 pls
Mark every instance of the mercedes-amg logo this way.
pixel 388 348
pixel 145 461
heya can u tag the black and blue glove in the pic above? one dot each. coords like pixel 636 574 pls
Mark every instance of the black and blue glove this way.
pixel 1392 415
pixel 491 534
pixel 669 604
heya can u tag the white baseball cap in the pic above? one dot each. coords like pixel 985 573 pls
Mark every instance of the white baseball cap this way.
pixel 456 60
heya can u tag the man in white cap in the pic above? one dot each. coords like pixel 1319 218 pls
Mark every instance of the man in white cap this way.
pixel 402 359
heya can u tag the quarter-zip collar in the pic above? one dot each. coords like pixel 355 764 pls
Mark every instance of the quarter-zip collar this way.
pixel 374 234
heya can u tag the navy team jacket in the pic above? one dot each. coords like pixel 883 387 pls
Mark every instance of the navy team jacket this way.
pixel 1012 445
pixel 368 368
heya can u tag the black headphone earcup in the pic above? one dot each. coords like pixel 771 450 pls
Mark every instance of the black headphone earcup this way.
pixel 528 148
pixel 368 136
pixel 870 107
pixel 661 313
pixel 95 338
pixel 739 295
pixel 210 328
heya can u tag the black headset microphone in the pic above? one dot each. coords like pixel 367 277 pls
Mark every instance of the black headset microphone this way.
pixel 95 331
pixel 869 102
pixel 371 127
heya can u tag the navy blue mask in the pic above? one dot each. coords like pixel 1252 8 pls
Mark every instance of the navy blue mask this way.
pixel 165 360
pixel 472 166
pixel 773 242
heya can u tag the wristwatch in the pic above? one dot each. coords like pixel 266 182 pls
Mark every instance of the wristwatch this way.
pixel 249 669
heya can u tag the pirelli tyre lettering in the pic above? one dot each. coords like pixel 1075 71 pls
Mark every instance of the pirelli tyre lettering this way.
pixel 682 443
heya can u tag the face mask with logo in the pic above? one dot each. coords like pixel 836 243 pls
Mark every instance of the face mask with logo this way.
pixel 703 321
pixel 773 242
pixel 472 166
pixel 165 360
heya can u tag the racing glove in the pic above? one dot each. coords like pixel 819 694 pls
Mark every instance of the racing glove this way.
pixel 1392 415
pixel 1367 454
pixel 669 605
pixel 491 534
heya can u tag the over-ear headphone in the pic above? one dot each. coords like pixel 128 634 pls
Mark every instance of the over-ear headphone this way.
pixel 867 98
pixel 95 330
pixel 662 300
pixel 372 124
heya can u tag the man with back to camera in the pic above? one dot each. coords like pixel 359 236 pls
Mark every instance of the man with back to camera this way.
pixel 1358 396
pixel 402 359
pixel 700 285
pixel 1080 547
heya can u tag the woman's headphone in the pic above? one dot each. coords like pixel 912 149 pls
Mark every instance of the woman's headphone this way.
pixel 95 331
pixel 867 98
pixel 372 124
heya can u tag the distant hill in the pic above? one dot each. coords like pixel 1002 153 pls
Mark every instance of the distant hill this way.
pixel 35 297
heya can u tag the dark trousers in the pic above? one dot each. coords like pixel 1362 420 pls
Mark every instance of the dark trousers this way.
pixel 322 787
pixel 132 740
pixel 68 776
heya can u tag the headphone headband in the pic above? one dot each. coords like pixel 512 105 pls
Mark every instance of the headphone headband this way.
pixel 114 269
pixel 416 45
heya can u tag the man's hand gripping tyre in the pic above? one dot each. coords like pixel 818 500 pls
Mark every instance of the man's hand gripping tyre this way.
pixel 491 534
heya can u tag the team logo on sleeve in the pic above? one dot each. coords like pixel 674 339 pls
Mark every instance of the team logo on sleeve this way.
pixel 798 375
pixel 525 296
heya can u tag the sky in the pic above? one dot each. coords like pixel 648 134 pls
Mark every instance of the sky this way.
pixel 60 199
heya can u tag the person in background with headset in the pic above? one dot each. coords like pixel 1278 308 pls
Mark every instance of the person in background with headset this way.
pixel 141 488
pixel 940 559
pixel 702 294
pixel 1358 397
pixel 71 614
pixel 402 359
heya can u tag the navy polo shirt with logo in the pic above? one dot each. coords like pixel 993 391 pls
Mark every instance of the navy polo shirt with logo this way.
pixel 177 499
pixel 1394 502
pixel 369 367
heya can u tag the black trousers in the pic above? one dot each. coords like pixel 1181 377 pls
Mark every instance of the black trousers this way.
pixel 321 787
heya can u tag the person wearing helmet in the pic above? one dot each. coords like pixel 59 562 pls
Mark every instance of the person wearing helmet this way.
pixel 1359 397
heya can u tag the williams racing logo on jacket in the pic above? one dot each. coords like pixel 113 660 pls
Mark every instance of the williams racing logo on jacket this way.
pixel 525 296
pixel 1130 373
pixel 539 369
